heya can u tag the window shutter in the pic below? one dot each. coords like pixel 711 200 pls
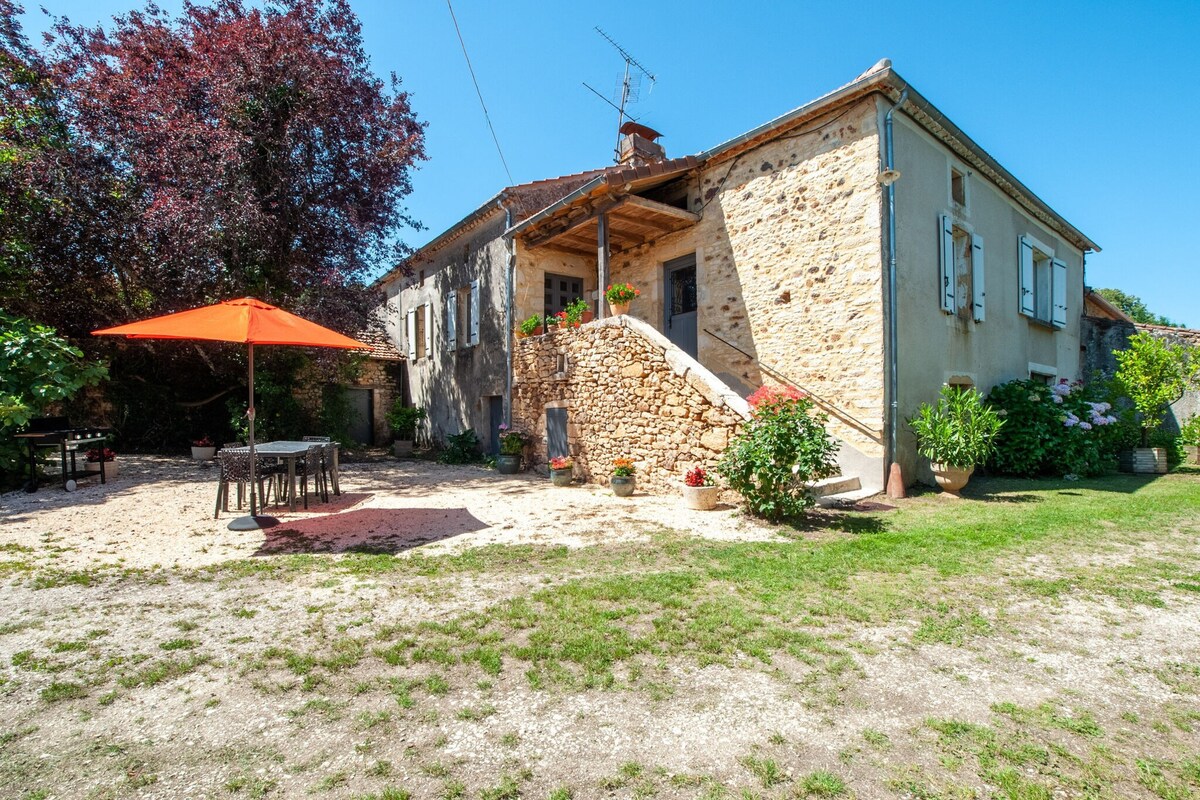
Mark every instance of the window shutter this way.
pixel 1025 261
pixel 977 279
pixel 947 265
pixel 1058 295
pixel 410 324
pixel 452 320
pixel 427 309
pixel 474 312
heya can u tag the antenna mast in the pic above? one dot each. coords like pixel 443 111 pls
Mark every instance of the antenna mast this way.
pixel 630 87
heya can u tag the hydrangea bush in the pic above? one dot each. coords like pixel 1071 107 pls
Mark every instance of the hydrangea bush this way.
pixel 1064 429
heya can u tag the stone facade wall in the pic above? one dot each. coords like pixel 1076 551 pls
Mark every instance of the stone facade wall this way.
pixel 628 393
pixel 381 377
pixel 789 268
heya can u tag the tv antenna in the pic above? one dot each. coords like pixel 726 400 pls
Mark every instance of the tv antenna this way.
pixel 630 89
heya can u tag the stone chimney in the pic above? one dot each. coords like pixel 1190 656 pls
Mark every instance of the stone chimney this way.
pixel 639 146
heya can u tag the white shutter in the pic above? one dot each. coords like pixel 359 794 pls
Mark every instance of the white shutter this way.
pixel 452 320
pixel 1025 261
pixel 474 312
pixel 977 276
pixel 410 325
pixel 427 309
pixel 1058 295
pixel 946 289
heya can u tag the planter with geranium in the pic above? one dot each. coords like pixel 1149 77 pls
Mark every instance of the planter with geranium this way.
pixel 624 477
pixel 203 449
pixel 699 491
pixel 619 296
pixel 531 326
pixel 578 313
pixel 562 470
pixel 512 446
pixel 1153 374
pixel 109 458
pixel 403 421
pixel 955 434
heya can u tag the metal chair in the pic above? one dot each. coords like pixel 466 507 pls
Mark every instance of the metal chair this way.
pixel 235 468
pixel 310 464
pixel 329 464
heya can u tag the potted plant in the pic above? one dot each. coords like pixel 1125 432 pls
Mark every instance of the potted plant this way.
pixel 1152 374
pixel 955 435
pixel 562 470
pixel 403 421
pixel 110 461
pixel 512 445
pixel 530 327
pixel 203 449
pixel 558 321
pixel 1189 437
pixel 624 478
pixel 699 490
pixel 579 312
pixel 619 296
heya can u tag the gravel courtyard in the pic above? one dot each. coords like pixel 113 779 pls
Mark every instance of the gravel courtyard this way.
pixel 446 632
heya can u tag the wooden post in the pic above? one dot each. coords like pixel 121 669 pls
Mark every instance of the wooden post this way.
pixel 601 263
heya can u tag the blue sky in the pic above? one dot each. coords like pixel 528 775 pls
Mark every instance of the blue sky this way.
pixel 1090 104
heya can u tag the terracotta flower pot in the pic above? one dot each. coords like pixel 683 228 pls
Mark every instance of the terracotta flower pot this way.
pixel 618 309
pixel 587 317
pixel 623 486
pixel 538 331
pixel 951 479
pixel 701 498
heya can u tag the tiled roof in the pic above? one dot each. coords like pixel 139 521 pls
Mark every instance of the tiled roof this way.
pixel 382 348
pixel 1188 336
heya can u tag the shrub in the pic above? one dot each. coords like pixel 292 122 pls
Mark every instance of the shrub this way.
pixel 1070 428
pixel 403 419
pixel 512 441
pixel 1189 432
pixel 528 326
pixel 461 448
pixel 958 431
pixel 1153 374
pixel 780 449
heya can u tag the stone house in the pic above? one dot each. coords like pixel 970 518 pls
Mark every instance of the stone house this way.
pixel 860 247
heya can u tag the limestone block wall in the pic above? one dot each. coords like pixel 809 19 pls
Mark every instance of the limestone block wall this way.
pixel 628 393
pixel 381 377
pixel 789 268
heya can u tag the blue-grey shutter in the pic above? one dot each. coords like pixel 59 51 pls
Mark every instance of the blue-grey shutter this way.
pixel 1058 294
pixel 1025 265
pixel 977 277
pixel 946 264
pixel 556 433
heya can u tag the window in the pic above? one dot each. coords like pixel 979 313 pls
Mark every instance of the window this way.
pixel 961 271
pixel 958 187
pixel 560 291
pixel 419 331
pixel 1043 283
pixel 462 316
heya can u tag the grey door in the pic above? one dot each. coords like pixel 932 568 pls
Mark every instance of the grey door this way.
pixel 680 305
pixel 495 418
pixel 556 433
pixel 360 428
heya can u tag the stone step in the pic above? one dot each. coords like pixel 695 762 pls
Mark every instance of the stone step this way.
pixel 845 499
pixel 838 484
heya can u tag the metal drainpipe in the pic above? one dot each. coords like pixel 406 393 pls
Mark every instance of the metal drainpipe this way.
pixel 509 287
pixel 893 337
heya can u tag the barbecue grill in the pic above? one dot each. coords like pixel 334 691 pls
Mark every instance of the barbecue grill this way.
pixel 47 432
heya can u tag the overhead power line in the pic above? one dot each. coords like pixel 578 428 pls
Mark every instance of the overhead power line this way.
pixel 479 93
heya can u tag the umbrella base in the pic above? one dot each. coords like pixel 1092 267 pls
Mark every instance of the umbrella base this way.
pixel 249 523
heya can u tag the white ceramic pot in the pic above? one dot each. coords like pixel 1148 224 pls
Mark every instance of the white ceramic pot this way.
pixel 701 498
pixel 951 479
pixel 204 453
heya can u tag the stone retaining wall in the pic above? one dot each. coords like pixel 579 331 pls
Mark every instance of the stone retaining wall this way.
pixel 629 393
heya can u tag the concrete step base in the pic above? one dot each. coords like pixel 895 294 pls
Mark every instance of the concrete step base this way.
pixel 845 499
pixel 838 484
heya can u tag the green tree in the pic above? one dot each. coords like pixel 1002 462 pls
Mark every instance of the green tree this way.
pixel 1136 308
pixel 1153 374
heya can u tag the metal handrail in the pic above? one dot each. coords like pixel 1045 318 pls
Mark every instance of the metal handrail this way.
pixel 844 416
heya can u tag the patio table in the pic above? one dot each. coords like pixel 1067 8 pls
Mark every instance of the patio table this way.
pixel 289 452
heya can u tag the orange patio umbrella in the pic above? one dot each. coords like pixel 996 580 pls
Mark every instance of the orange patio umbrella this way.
pixel 250 322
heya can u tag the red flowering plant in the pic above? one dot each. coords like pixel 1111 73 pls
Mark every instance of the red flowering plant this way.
pixel 768 395
pixel 203 441
pixel 560 319
pixel 562 463
pixel 619 293
pixel 94 455
pixel 698 476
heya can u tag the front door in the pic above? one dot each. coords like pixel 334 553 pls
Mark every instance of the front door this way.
pixel 360 415
pixel 680 305
pixel 495 419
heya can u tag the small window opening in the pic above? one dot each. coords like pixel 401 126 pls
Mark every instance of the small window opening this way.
pixel 561 364
pixel 958 187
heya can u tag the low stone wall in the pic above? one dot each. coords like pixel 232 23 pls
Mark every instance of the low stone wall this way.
pixel 629 393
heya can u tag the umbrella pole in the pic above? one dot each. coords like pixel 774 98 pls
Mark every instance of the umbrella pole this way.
pixel 254 521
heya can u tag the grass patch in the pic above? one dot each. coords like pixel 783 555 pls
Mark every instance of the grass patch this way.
pixel 163 670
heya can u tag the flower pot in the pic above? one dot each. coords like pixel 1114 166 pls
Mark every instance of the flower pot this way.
pixel 110 469
pixel 618 309
pixel 951 479
pixel 587 317
pixel 204 453
pixel 508 464
pixel 1149 460
pixel 701 498
pixel 520 334
pixel 562 477
pixel 402 448
pixel 538 331
pixel 623 486
pixel 1191 454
